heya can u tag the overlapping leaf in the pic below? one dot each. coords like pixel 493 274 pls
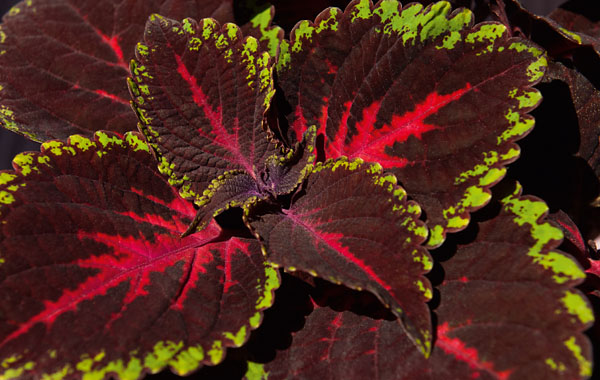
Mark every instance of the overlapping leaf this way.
pixel 433 99
pixel 507 310
pixel 564 31
pixel 78 84
pixel 201 93
pixel 353 225
pixel 94 278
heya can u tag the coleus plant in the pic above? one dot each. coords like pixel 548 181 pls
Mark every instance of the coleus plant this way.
pixel 354 149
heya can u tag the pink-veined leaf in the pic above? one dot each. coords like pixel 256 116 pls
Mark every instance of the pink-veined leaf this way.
pixel 201 93
pixel 507 311
pixel 95 279
pixel 421 91
pixel 64 63
pixel 353 225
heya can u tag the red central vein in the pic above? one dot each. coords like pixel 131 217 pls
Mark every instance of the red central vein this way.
pixel 221 136
pixel 469 355
pixel 112 97
pixel 331 240
pixel 128 255
pixel 112 42
pixel 178 204
pixel 369 143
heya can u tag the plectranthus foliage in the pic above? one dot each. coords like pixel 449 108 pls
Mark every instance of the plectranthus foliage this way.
pixel 323 189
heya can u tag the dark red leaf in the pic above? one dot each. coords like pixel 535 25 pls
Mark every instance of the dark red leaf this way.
pixel 580 16
pixel 64 63
pixel 560 40
pixel 201 92
pixel 507 310
pixel 353 225
pixel 433 99
pixel 94 278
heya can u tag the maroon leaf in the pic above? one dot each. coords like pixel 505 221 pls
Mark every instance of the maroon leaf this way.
pixel 201 92
pixel 94 279
pixel 560 40
pixel 571 233
pixel 352 225
pixel 508 311
pixel 586 101
pixel 578 16
pixel 433 99
pixel 78 84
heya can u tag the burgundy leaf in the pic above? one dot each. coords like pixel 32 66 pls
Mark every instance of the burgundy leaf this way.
pixel 586 101
pixel 560 40
pixel 201 92
pixel 508 311
pixel 94 278
pixel 579 16
pixel 352 225
pixel 78 84
pixel 433 99
pixel 572 235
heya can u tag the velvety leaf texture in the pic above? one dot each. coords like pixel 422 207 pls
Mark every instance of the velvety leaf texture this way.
pixel 281 174
pixel 421 91
pixel 496 295
pixel 353 225
pixel 201 92
pixel 95 279
pixel 79 84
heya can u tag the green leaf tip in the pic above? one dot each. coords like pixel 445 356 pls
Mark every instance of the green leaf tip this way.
pixel 529 211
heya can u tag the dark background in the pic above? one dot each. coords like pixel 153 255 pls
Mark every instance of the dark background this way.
pixel 11 143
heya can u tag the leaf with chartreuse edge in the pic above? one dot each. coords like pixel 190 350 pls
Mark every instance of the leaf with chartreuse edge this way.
pixel 422 91
pixel 95 280
pixel 508 310
pixel 353 225
pixel 64 63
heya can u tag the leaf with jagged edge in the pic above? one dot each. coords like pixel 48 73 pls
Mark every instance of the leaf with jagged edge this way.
pixel 433 99
pixel 260 27
pixel 64 63
pixel 353 225
pixel 94 278
pixel 508 310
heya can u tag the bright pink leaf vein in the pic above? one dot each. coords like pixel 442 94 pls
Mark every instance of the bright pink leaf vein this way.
pixel 221 136
pixel 332 241
pixel 127 259
pixel 369 142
